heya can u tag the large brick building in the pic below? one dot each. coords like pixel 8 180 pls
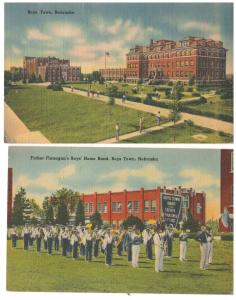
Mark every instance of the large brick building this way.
pixel 226 195
pixel 193 57
pixel 51 69
pixel 146 204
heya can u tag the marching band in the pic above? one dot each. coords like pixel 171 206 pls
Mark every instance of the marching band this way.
pixel 83 242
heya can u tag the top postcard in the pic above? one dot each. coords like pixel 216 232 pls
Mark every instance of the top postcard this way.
pixel 118 73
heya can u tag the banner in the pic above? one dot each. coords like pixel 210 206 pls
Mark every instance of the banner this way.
pixel 171 207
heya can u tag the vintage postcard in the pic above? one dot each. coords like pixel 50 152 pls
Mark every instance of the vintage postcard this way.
pixel 118 73
pixel 120 221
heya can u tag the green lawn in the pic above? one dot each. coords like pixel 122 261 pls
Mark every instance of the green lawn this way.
pixel 216 105
pixel 67 118
pixel 28 272
pixel 182 133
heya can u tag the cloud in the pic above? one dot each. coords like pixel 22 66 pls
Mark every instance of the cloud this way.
pixel 210 30
pixel 49 181
pixel 15 50
pixel 105 27
pixel 35 34
pixel 65 31
pixel 199 178
pixel 149 172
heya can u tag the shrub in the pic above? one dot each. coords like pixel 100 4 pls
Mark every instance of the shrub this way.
pixel 133 98
pixel 170 83
pixel 111 101
pixel 228 236
pixel 189 89
pixel 196 94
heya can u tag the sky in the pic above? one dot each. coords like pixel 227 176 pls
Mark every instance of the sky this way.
pixel 95 28
pixel 199 169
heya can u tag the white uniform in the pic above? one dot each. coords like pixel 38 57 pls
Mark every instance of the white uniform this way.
pixel 159 241
pixel 183 244
pixel 136 242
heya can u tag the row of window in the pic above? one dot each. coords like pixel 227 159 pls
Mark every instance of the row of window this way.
pixel 117 206
pixel 168 64
pixel 207 64
pixel 178 54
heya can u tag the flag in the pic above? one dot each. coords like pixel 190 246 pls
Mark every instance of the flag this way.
pixel 107 53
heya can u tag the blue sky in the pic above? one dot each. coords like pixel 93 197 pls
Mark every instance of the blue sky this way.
pixel 199 169
pixel 114 27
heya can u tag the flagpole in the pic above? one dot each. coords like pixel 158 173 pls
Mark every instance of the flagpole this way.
pixel 105 65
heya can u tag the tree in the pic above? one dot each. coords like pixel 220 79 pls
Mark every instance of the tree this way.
pixel 27 211
pixel 79 216
pixel 96 219
pixel 133 221
pixel 62 213
pixel 18 207
pixel 191 81
pixel 191 223
pixel 48 211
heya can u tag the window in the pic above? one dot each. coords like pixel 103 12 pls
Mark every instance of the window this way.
pixel 113 206
pixel 114 222
pixel 191 63
pixel 177 74
pixel 146 205
pixel 182 63
pixel 129 206
pixel 199 208
pixel 90 207
pixel 86 207
pixel 177 64
pixel 185 203
pixel 104 207
pixel 99 207
pixel 186 63
pixel 153 205
pixel 119 206
pixel 136 206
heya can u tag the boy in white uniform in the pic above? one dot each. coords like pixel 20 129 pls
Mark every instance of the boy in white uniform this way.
pixel 159 240
pixel 136 240
pixel 183 243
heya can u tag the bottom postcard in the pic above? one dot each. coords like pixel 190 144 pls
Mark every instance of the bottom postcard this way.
pixel 120 220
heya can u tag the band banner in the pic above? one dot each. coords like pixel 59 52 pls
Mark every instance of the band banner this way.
pixel 171 207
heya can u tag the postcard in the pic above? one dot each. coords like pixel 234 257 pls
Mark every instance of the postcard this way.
pixel 115 220
pixel 118 73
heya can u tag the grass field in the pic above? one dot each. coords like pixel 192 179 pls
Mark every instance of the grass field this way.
pixel 216 105
pixel 183 133
pixel 28 272
pixel 67 118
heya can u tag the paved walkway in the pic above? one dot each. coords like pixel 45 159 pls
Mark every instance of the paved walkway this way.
pixel 137 133
pixel 206 122
pixel 15 131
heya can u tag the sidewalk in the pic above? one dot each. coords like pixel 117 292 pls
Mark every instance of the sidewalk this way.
pixel 15 131
pixel 201 121
pixel 137 133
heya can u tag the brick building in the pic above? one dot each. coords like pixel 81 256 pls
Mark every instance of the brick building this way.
pixel 118 74
pixel 9 196
pixel 193 57
pixel 226 190
pixel 146 204
pixel 51 69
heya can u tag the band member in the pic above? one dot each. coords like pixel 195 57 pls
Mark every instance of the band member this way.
pixel 82 241
pixel 89 244
pixel 136 241
pixel 183 245
pixel 39 235
pixel 14 236
pixel 202 238
pixel 210 244
pixel 74 243
pixel 120 241
pixel 107 246
pixel 45 242
pixel 26 234
pixel 159 240
pixel 64 241
pixel 96 238
pixel 169 241
pixel 128 243
pixel 49 240
pixel 56 239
